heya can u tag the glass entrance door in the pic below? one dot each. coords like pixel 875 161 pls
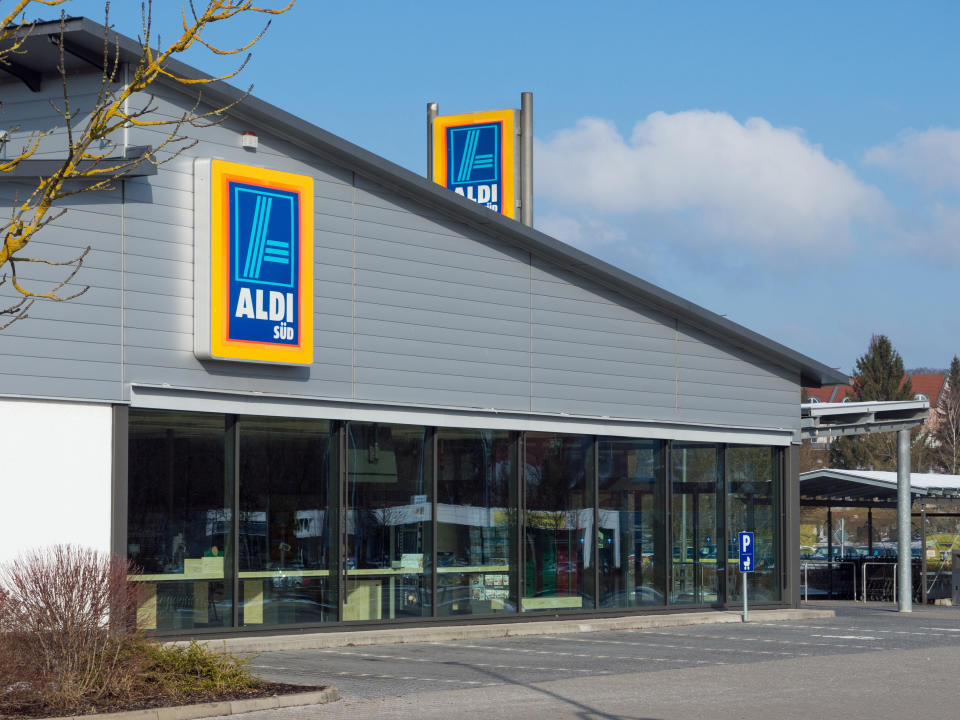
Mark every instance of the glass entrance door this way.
pixel 697 524
pixel 387 522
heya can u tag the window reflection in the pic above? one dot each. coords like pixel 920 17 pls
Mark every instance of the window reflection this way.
pixel 632 555
pixel 286 531
pixel 476 522
pixel 752 506
pixel 388 507
pixel 697 523
pixel 179 519
pixel 558 522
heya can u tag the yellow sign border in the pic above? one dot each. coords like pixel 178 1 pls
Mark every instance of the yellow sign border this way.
pixel 221 347
pixel 441 123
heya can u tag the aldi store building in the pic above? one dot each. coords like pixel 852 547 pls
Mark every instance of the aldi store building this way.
pixel 468 419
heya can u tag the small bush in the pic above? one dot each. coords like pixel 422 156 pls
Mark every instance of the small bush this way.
pixel 193 669
pixel 66 627
pixel 69 641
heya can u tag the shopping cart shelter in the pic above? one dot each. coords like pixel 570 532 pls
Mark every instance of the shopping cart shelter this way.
pixel 307 388
pixel 848 534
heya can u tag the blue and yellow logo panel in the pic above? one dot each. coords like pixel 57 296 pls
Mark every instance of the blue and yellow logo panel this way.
pixel 260 264
pixel 474 155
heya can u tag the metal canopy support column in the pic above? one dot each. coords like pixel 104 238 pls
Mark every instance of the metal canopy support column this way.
pixel 904 562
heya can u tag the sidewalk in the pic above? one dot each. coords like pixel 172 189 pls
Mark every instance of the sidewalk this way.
pixel 446 633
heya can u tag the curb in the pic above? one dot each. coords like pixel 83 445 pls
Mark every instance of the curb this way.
pixel 213 709
pixel 325 640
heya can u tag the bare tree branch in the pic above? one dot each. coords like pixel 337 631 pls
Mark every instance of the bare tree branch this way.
pixel 123 101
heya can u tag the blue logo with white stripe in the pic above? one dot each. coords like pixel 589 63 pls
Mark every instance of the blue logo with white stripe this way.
pixel 474 163
pixel 474 154
pixel 264 227
pixel 264 235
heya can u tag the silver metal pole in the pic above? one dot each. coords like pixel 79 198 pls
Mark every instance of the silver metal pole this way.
pixel 904 565
pixel 526 158
pixel 745 577
pixel 432 111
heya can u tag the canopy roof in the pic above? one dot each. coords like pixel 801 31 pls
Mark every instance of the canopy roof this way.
pixel 873 485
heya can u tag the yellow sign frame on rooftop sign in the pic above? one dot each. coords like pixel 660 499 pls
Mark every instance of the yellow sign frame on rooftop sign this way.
pixel 491 177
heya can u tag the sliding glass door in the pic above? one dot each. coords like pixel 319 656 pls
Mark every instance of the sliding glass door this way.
pixel 697 524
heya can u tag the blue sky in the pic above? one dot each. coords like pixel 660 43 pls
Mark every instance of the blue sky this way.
pixel 795 167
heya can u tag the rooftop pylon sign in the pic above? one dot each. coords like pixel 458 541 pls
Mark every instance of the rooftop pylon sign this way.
pixel 485 157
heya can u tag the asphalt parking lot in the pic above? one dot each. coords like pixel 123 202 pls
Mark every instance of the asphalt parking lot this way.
pixel 866 662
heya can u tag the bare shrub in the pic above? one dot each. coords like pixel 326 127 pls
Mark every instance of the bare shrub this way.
pixel 67 628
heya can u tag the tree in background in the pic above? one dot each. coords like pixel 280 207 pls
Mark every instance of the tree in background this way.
pixel 947 433
pixel 880 372
pixel 92 159
pixel 879 376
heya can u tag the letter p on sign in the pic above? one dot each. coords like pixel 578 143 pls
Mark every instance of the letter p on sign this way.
pixel 746 551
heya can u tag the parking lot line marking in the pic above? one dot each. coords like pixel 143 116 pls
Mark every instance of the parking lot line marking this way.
pixel 846 637
pixel 671 645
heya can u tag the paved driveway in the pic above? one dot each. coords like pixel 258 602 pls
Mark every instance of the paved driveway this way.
pixel 867 662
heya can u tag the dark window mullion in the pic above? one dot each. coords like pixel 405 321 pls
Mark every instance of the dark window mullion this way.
pixel 667 532
pixel 520 498
pixel 596 521
pixel 341 510
pixel 434 524
pixel 233 450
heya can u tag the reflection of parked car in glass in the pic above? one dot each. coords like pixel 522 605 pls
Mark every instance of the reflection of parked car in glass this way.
pixel 845 553
pixel 626 598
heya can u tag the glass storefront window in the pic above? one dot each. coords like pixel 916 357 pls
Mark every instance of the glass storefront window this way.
pixel 559 532
pixel 753 506
pixel 388 504
pixel 287 542
pixel 476 522
pixel 179 518
pixel 697 536
pixel 524 521
pixel 632 553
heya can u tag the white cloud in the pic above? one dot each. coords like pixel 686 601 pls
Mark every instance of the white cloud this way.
pixel 588 234
pixel 931 157
pixel 752 183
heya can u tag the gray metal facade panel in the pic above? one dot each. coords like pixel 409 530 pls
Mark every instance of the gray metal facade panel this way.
pixel 69 349
pixel 411 306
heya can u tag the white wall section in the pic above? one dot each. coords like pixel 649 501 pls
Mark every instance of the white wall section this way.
pixel 56 469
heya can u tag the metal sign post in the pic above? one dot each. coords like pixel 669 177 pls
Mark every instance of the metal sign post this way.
pixel 746 564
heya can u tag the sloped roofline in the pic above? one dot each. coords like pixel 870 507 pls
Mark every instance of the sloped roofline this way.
pixel 90 36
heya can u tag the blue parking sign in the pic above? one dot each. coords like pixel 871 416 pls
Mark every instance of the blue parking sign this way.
pixel 746 551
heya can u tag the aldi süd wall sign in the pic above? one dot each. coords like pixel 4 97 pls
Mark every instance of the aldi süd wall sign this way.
pixel 475 155
pixel 253 264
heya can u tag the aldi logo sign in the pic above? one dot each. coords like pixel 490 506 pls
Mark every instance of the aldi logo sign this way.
pixel 475 156
pixel 253 264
